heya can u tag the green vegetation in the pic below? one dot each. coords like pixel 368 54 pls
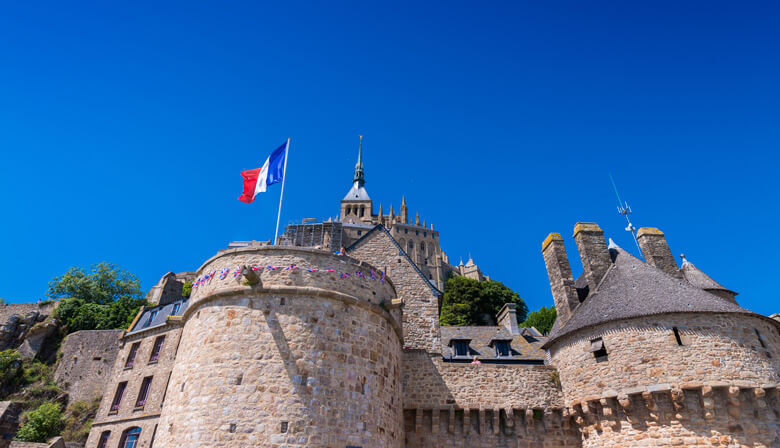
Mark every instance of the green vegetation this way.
pixel 105 298
pixel 41 424
pixel 470 302
pixel 78 420
pixel 187 289
pixel 542 320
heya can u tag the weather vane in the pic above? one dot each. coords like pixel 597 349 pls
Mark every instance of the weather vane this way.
pixel 624 209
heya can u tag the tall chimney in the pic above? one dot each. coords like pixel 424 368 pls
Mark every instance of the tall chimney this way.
pixel 656 251
pixel 507 318
pixel 594 253
pixel 559 273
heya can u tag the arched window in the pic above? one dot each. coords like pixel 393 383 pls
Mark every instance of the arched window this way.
pixel 130 438
pixel 103 442
pixel 348 210
pixel 362 210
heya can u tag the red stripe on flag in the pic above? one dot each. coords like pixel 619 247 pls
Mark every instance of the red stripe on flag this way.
pixel 250 182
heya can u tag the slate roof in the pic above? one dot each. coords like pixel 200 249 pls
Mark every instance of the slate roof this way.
pixel 402 252
pixel 523 348
pixel 162 313
pixel 699 279
pixel 357 193
pixel 632 288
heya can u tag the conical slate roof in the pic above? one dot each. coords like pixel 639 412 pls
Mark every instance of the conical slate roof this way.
pixel 632 288
pixel 357 193
pixel 699 279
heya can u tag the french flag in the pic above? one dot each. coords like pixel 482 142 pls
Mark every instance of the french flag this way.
pixel 258 179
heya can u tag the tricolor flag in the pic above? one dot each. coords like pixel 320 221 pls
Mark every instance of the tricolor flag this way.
pixel 258 179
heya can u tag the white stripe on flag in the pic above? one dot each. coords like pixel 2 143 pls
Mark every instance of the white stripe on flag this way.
pixel 262 178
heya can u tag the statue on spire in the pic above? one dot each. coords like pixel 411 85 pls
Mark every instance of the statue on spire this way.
pixel 359 166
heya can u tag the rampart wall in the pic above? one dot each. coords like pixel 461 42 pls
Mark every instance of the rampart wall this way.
pixel 87 362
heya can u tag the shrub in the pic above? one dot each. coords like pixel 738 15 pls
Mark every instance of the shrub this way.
pixel 186 290
pixel 42 424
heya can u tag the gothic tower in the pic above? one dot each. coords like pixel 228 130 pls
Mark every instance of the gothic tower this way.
pixel 356 207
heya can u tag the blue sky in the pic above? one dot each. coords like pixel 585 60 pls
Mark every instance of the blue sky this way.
pixel 123 129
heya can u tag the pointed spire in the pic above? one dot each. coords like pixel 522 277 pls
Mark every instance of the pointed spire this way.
pixel 424 225
pixel 359 177
pixel 392 214
pixel 404 213
pixel 380 212
pixel 417 219
pixel 403 200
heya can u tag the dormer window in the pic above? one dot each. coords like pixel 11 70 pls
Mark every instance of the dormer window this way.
pixel 503 349
pixel 460 347
pixel 176 307
pixel 151 317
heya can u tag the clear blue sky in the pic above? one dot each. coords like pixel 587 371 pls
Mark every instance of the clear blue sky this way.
pixel 124 126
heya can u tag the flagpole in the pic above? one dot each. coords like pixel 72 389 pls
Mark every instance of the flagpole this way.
pixel 281 196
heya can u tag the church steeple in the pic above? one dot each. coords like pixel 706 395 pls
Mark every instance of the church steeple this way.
pixel 359 166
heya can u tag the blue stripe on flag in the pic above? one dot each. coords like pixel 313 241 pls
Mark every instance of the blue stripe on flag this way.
pixel 276 165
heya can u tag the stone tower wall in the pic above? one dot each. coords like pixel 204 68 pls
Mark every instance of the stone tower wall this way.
pixel 300 359
pixel 651 386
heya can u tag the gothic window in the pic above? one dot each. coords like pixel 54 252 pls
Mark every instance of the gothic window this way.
pixel 143 394
pixel 422 247
pixel 130 438
pixel 362 210
pixel 131 356
pixel 348 210
pixel 410 247
pixel 120 390
pixel 103 442
pixel 156 349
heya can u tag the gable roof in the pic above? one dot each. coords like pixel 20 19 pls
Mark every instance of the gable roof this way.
pixel 632 288
pixel 402 252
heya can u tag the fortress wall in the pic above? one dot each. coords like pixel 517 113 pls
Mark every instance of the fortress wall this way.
pixel 429 382
pixel 293 361
pixel 702 417
pixel 9 309
pixel 644 351
pixel 87 362
pixel 421 306
pixel 129 415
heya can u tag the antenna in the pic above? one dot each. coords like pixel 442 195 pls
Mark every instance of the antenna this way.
pixel 625 210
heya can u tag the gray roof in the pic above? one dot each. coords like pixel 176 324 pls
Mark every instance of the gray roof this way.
pixel 699 279
pixel 161 313
pixel 357 193
pixel 523 348
pixel 632 288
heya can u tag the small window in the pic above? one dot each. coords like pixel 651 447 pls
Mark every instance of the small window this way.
pixel 406 230
pixel 760 338
pixel 103 442
pixel 677 336
pixel 461 348
pixel 149 319
pixel 284 427
pixel 362 210
pixel 120 390
pixel 176 308
pixel 360 232
pixel 425 234
pixel 131 356
pixel 97 358
pixel 502 348
pixel 348 210
pixel 156 349
pixel 598 349
pixel 130 438
pixel 144 392
pixel 416 232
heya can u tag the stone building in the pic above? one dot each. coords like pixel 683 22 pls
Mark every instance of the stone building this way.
pixel 301 345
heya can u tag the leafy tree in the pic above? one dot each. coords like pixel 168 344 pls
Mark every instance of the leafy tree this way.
pixel 105 283
pixel 105 298
pixel 9 366
pixel 470 302
pixel 42 423
pixel 542 320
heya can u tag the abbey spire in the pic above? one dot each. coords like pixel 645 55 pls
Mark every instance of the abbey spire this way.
pixel 359 166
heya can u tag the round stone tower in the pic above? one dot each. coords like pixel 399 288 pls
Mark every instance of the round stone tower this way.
pixel 648 359
pixel 286 354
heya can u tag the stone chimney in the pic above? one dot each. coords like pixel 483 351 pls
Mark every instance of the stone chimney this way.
pixel 594 253
pixel 507 318
pixel 656 250
pixel 559 273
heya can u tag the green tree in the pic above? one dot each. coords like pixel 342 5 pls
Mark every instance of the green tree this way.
pixel 186 290
pixel 470 302
pixel 42 424
pixel 105 298
pixel 542 320
pixel 105 283
pixel 9 366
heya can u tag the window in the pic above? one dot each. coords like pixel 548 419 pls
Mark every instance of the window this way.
pixel 362 210
pixel 156 349
pixel 144 392
pixel 348 209
pixel 760 338
pixel 130 438
pixel 461 348
pixel 176 307
pixel 417 232
pixel 120 390
pixel 284 427
pixel 406 230
pixel 360 232
pixel 598 349
pixel 131 356
pixel 502 348
pixel 422 247
pixel 103 442
pixel 149 319
pixel 425 234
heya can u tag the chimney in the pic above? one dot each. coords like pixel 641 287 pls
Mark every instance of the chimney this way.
pixel 594 253
pixel 559 273
pixel 507 318
pixel 656 251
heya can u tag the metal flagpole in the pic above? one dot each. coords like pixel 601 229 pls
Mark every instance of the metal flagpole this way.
pixel 281 196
